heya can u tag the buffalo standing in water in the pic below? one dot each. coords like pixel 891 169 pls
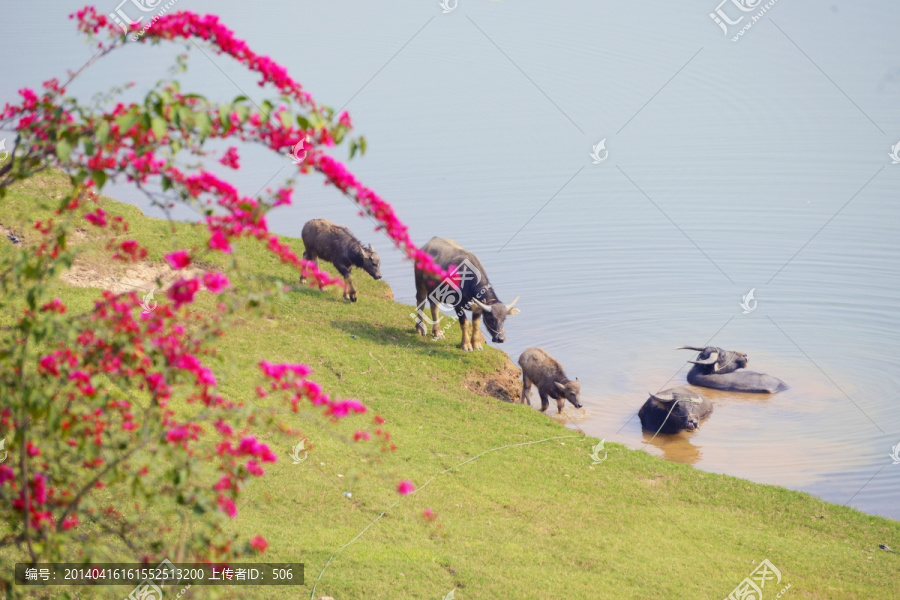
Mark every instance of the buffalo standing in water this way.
pixel 468 290
pixel 336 244
pixel 544 371
pixel 674 410
pixel 720 369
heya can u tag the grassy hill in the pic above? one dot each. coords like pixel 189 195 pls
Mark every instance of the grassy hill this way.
pixel 521 510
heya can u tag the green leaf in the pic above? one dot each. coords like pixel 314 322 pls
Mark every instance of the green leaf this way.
pixel 286 119
pixel 102 132
pixel 266 111
pixel 31 298
pixel 99 177
pixel 159 127
pixel 184 116
pixel 362 145
pixel 303 122
pixel 88 147
pixel 63 150
pixel 243 112
pixel 353 148
pixel 240 98
pixel 126 121
pixel 224 111
pixel 204 124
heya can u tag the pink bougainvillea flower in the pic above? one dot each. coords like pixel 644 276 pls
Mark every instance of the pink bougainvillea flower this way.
pixel 98 217
pixel 230 158
pixel 226 505
pixel 182 291
pixel 48 364
pixel 405 488
pixel 55 305
pixel 260 543
pixel 215 282
pixel 179 259
pixel 339 410
pixel 218 241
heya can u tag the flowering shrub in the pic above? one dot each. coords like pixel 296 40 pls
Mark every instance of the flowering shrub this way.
pixel 87 404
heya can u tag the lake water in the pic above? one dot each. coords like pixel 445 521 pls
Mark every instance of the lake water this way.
pixel 759 164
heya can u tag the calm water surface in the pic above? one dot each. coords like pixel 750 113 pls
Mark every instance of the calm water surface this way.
pixel 759 164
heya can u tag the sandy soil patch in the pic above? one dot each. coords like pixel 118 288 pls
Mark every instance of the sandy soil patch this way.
pixel 505 384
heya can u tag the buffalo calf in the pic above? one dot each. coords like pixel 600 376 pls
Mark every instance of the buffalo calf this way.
pixel 542 370
pixel 336 244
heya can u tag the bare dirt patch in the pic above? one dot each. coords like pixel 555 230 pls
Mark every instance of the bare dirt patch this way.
pixel 505 384
pixel 115 277
pixel 140 277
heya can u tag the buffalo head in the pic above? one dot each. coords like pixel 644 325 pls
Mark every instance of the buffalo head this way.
pixel 371 264
pixel 571 390
pixel 494 317
pixel 716 361
pixel 683 409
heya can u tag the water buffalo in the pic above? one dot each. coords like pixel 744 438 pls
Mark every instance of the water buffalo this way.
pixel 674 410
pixel 542 370
pixel 467 289
pixel 336 244
pixel 720 369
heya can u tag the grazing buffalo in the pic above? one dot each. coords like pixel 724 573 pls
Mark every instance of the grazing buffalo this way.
pixel 467 289
pixel 336 244
pixel 674 410
pixel 720 369
pixel 542 370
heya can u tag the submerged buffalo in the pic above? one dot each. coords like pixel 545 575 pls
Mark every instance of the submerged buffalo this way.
pixel 467 289
pixel 544 371
pixel 336 244
pixel 674 410
pixel 721 370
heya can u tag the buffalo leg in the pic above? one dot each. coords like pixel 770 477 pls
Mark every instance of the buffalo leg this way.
pixel 477 338
pixel 560 403
pixel 466 343
pixel 349 290
pixel 421 294
pixel 545 402
pixel 436 331
pixel 311 257
pixel 526 389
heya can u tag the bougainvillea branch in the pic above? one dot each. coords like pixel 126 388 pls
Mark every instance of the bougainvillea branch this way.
pixel 89 402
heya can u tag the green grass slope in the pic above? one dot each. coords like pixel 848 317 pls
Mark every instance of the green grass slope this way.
pixel 528 516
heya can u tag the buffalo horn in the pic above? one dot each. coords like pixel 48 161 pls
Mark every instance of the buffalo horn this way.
pixel 511 304
pixel 694 348
pixel 707 361
pixel 663 399
pixel 481 305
